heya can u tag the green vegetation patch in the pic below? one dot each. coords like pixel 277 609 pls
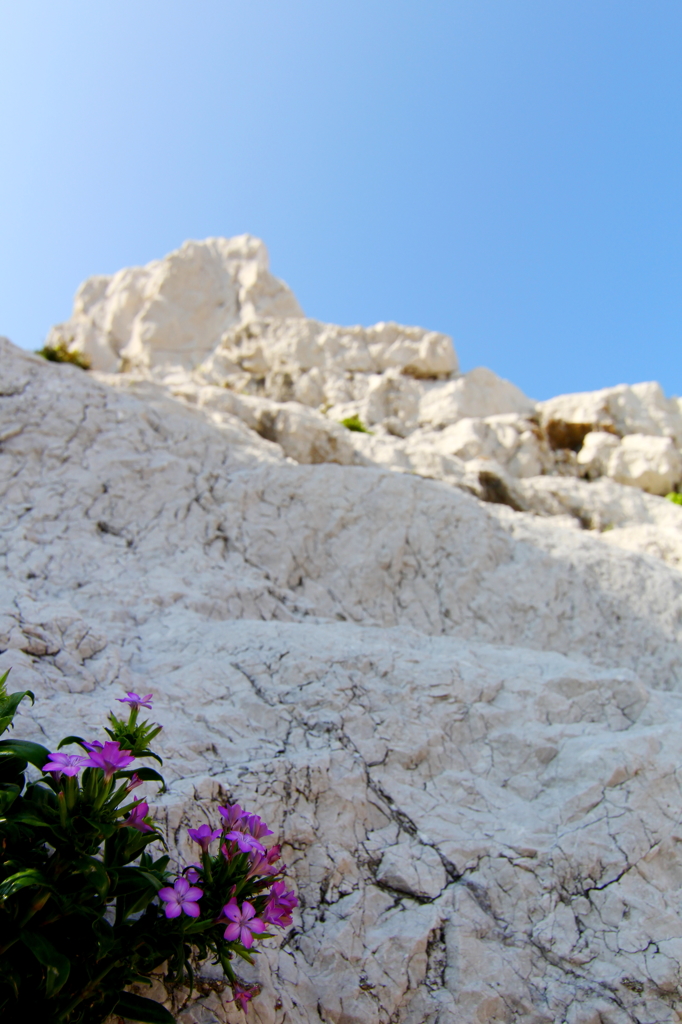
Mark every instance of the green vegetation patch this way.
pixel 61 354
pixel 355 423
pixel 674 497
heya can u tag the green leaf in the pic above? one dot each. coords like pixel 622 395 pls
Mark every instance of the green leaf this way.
pixel 198 926
pixel 42 797
pixel 106 936
pixel 240 951
pixel 31 752
pixel 9 705
pixel 149 753
pixel 58 966
pixel 134 880
pixel 138 1008
pixel 103 827
pixel 146 774
pixel 129 905
pixel 3 688
pixel 11 767
pixel 72 739
pixel 26 818
pixel 8 795
pixel 95 872
pixel 21 880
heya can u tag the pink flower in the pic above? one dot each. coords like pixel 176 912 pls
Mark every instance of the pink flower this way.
pixel 265 864
pixel 203 836
pixel 192 874
pixel 64 764
pixel 136 701
pixel 257 827
pixel 245 842
pixel 274 854
pixel 109 757
pixel 243 923
pixel 181 898
pixel 232 814
pixel 133 782
pixel 279 906
pixel 243 994
pixel 136 817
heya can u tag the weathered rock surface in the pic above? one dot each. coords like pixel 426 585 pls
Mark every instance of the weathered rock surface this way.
pixel 175 309
pixel 464 720
pixel 213 325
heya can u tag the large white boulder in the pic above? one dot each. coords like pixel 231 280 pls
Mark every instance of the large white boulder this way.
pixel 651 463
pixel 597 449
pixel 479 393
pixel 624 409
pixel 510 440
pixel 174 310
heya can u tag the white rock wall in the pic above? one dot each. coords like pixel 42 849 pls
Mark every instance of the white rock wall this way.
pixel 463 720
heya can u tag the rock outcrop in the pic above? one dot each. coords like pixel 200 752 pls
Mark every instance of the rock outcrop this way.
pixel 212 325
pixel 443 658
pixel 174 310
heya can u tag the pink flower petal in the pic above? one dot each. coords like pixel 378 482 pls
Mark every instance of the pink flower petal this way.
pixel 231 932
pixel 247 911
pixel 231 910
pixel 173 910
pixel 191 909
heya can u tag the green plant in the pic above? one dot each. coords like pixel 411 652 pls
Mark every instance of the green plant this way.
pixel 354 423
pixel 674 497
pixel 86 909
pixel 59 353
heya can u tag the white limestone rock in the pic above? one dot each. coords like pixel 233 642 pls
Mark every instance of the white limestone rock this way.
pixel 461 716
pixel 479 393
pixel 306 436
pixel 510 440
pixel 413 868
pixel 210 315
pixel 266 347
pixel 664 542
pixel 387 403
pixel 463 722
pixel 650 463
pixel 174 310
pixel 636 409
pixel 593 457
pixel 622 516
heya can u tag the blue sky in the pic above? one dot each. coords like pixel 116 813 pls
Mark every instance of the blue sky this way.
pixel 507 171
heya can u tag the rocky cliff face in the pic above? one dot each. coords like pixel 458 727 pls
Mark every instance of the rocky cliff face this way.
pixel 218 331
pixel 443 658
